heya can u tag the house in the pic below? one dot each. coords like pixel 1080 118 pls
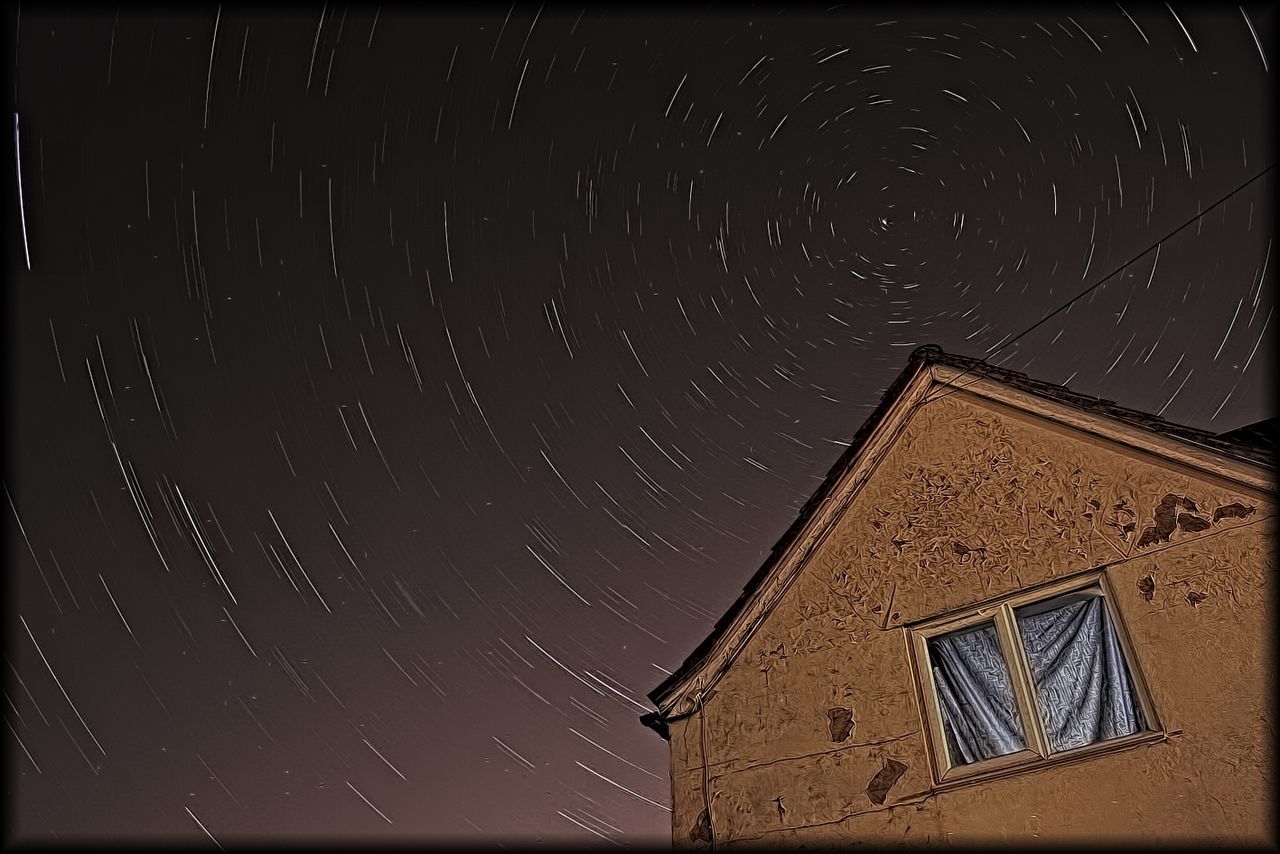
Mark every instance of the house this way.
pixel 1010 613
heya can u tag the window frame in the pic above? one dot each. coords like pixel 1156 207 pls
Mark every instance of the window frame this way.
pixel 1000 612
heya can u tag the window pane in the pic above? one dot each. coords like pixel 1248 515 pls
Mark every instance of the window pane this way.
pixel 1082 682
pixel 979 711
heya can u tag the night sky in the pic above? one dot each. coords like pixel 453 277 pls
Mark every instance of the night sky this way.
pixel 395 399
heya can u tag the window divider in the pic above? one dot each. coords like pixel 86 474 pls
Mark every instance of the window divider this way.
pixel 1023 684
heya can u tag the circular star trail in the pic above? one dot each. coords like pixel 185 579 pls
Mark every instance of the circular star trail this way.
pixel 397 398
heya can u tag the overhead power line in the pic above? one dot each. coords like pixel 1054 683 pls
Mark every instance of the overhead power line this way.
pixel 1066 305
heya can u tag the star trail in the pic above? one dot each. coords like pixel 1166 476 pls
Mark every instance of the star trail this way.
pixel 397 396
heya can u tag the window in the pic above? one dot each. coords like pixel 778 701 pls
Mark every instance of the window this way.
pixel 1039 677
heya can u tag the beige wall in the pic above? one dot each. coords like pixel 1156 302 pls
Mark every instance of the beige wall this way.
pixel 972 502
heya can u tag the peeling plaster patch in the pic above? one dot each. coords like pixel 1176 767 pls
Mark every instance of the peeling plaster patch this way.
pixel 882 782
pixel 1165 517
pixel 839 722
pixel 701 829
pixel 1191 523
pixel 1149 537
pixel 1147 586
pixel 1235 510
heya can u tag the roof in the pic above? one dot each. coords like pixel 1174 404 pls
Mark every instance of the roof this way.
pixel 1260 434
pixel 1253 445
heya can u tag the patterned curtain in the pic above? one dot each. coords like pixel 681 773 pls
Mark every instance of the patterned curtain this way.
pixel 1083 686
pixel 979 712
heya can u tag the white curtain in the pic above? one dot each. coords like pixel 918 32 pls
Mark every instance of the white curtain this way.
pixel 979 712
pixel 1083 688
pixel 1082 684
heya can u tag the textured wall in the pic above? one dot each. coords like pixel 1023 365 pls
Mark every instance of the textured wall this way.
pixel 814 734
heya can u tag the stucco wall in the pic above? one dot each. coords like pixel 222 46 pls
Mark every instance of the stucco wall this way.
pixel 972 502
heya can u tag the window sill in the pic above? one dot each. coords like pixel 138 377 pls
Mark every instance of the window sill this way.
pixel 1022 763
